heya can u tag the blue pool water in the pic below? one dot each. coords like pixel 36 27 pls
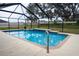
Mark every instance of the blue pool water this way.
pixel 39 36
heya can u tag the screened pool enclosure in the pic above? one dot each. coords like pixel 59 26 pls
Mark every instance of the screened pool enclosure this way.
pixel 18 13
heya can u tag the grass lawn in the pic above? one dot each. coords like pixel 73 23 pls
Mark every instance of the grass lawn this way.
pixel 70 28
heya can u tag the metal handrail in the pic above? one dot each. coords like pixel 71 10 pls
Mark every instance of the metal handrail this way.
pixel 47 41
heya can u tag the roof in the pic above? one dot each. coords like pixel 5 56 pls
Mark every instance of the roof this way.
pixel 2 21
pixel 46 19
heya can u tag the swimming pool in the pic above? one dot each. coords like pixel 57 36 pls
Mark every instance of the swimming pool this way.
pixel 39 36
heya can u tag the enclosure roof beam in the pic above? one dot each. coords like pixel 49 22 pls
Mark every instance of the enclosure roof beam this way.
pixel 15 13
pixel 11 12
pixel 3 5
pixel 10 4
pixel 29 10
pixel 41 9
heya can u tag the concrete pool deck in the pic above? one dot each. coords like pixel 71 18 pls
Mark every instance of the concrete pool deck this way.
pixel 12 46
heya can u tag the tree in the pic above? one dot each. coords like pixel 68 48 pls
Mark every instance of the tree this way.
pixel 64 10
